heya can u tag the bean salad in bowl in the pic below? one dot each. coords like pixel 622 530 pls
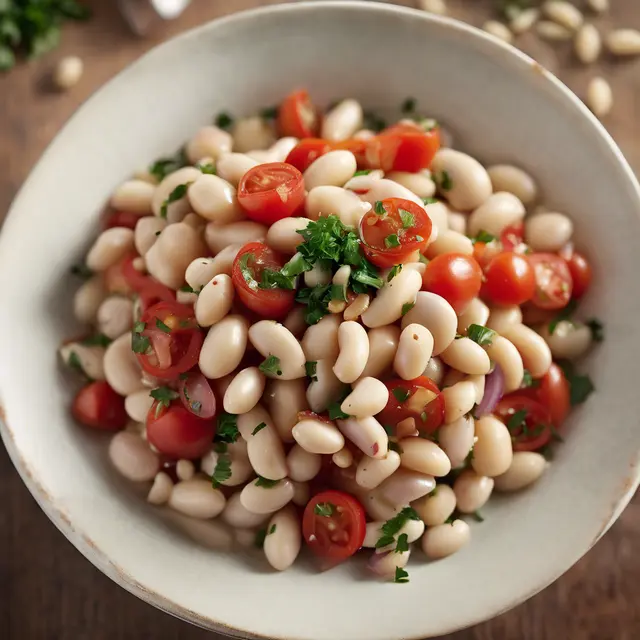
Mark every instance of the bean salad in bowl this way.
pixel 331 332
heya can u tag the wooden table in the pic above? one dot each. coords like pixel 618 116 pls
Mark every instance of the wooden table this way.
pixel 49 592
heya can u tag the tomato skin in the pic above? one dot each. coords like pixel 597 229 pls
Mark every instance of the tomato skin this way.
pixel 121 219
pixel 306 152
pixel 297 116
pixel 178 433
pixel 150 291
pixel 98 406
pixel 267 303
pixel 554 284
pixel 509 279
pixel 271 191
pixel 454 276
pixel 512 236
pixel 398 409
pixel 358 147
pixel 538 421
pixel 553 393
pixel 581 274
pixel 375 228
pixel 350 526
pixel 403 147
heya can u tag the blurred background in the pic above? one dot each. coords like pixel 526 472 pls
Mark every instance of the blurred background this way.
pixel 48 591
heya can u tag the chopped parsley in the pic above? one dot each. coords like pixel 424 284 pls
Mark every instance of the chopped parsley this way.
pixel 335 411
pixel 407 306
pixel 483 236
pixel 423 259
pixel 392 241
pixel 597 329
pixel 445 182
pixel 339 292
pixel 261 534
pixel 324 509
pixel 563 314
pixel 222 471
pixel 395 270
pixel 580 387
pixel 164 396
pixel 394 446
pixel 409 105
pixel 266 483
pixel 162 167
pixel 408 219
pixel 271 366
pixel 480 334
pixel 177 194
pixel 81 271
pixel 401 394
pixel 403 543
pixel 518 420
pixel 362 172
pixel 310 367
pixel 401 576
pixel 478 516
pixel 74 362
pixel 391 527
pixel 207 167
pixel 187 289
pixel 162 326
pixel 224 120
pixel 97 340
pixel 527 379
pixel 378 208
pixel 227 428
pixel 139 343
pixel 269 113
pixel 271 279
pixel 272 530
pixel 430 200
pixel 259 428
pixel 373 121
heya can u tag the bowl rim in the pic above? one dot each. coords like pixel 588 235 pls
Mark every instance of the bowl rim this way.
pixel 79 538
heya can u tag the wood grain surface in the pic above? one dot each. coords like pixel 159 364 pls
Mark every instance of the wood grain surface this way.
pixel 48 591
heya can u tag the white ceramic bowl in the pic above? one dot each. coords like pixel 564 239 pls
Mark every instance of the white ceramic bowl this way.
pixel 501 106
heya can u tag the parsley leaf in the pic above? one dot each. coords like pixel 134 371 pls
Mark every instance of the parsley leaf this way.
pixel 296 266
pixel 597 329
pixel 409 105
pixel 392 241
pixel 527 379
pixel 478 516
pixel 81 271
pixel 269 113
pixel 207 168
pixel 74 362
pixel 224 120
pixel 407 306
pixel 335 411
pixel 403 543
pixel 391 527
pixel 445 182
pixel 271 365
pixel 408 219
pixel 317 300
pixel 222 471
pixel 580 387
pixel 339 292
pixel 259 428
pixel 164 396
pixel 177 194
pixel 261 534
pixel 378 208
pixel 401 576
pixel 227 428
pixel 517 420
pixel 480 334
pixel 362 172
pixel 162 326
pixel 563 314
pixel 97 340
pixel 139 343
pixel 324 509
pixel 266 483
pixel 394 272
pixel 310 367
pixel 275 280
pixel 162 167
pixel 373 121
pixel 394 446
pixel 401 394
pixel 483 236
pixel 429 200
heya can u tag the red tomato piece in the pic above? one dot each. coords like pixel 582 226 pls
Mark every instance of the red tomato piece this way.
pixel 247 271
pixel 196 395
pixel 552 392
pixel 581 274
pixel 121 219
pixel 419 399
pixel 178 433
pixel 271 191
pixel 509 279
pixel 554 284
pixel 454 276
pixel 512 237
pixel 98 406
pixel 174 340
pixel 149 290
pixel 333 525
pixel 358 147
pixel 393 231
pixel 297 116
pixel 528 421
pixel 306 151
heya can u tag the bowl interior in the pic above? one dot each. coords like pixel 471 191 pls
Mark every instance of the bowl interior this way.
pixel 500 106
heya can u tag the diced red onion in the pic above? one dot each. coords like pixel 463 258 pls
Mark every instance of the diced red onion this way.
pixel 493 392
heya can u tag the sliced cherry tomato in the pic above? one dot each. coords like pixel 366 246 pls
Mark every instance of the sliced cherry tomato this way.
pixel 528 421
pixel 247 271
pixel 178 433
pixel 196 395
pixel 358 147
pixel 454 276
pixel 174 340
pixel 402 147
pixel 509 279
pixel 98 406
pixel 148 289
pixel 297 116
pixel 512 237
pixel 393 231
pixel 553 281
pixel 271 191
pixel 306 151
pixel 419 399
pixel 553 392
pixel 121 219
pixel 333 525
pixel 581 274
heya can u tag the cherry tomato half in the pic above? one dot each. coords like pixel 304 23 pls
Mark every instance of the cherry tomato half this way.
pixel 124 278
pixel 306 151
pixel 419 399
pixel 196 395
pixel 553 281
pixel 509 279
pixel 246 274
pixel 512 237
pixel 174 340
pixel 98 406
pixel 528 421
pixel 297 116
pixel 581 274
pixel 271 191
pixel 333 525
pixel 393 231
pixel 178 433
pixel 454 276
pixel 552 391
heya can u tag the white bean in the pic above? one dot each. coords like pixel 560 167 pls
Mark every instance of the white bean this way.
pixel 223 261
pixel 440 216
pixel 283 540
pixel 261 499
pixel 413 529
pixel 369 396
pixel 285 399
pixel 456 439
pixel 343 458
pixel 87 300
pixel 436 507
pixel 137 405
pixel 472 491
pixel 406 486
pixel 371 472
pixel 523 21
pixel 459 399
pixel 505 354
pixel 588 44
pixel 333 168
pixel 439 7
pixel 185 469
pixel 271 338
pixel 235 514
pixel 380 189
pixel 506 177
pixel 326 389
pixel 367 434
pixel 252 133
pixel 178 209
pixel 467 356
pixel 245 391
pixel 501 318
pixel 161 489
pixel 536 355
pixel 232 166
pixel 450 242
pixel 498 212
pixel 132 457
pixel 457 222
pixel 68 72
pixel 476 313
pixel 354 352
pixel 498 30
pixel 624 42
pixel 445 539
pixel 214 199
pixel 199 272
pixel 424 456
pixel 414 351
pixel 197 499
pixel 283 234
pixel 383 344
pixel 319 274
pixel 563 13
pixel 146 233
pixel 548 231
pixel 552 31
pixel 295 321
pixel 598 6
pixel 301 493
pixel 385 564
pixel 388 304
pixel 223 347
pixel 241 469
pixel 110 247
pixel 115 316
pixel 208 142
pixel 121 368
pixel 133 196
pixel 214 301
pixel 435 370
pixel 599 97
pixel 526 467
pixel 342 121
pixel 492 452
pixel 219 236
pixel 469 181
pixel 318 436
pixel 329 200
pixel 569 340
pixel 90 358
pixel 264 448
pixel 423 186
pixel 303 465
pixel 436 314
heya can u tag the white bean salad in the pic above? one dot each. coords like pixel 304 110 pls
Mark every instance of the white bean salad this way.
pixel 321 328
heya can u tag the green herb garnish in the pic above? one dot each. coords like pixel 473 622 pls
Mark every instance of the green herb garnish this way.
pixel 392 241
pixel 224 120
pixel 177 194
pixel 480 334
pixel 395 270
pixel 259 428
pixel 362 172
pixel 162 167
pixel 409 105
pixel 271 366
pixel 310 367
pixel 139 343
pixel 401 576
pixel 81 270
pixel 227 428
pixel 162 326
pixel 222 471
pixel 408 219
pixel 483 236
pixel 401 394
pixel 597 329
pixel 266 483
pixel 403 543
pixel 269 113
pixel 207 168
pixel 563 314
pixel 407 306
pixel 581 387
pixel 324 509
pixel 97 340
